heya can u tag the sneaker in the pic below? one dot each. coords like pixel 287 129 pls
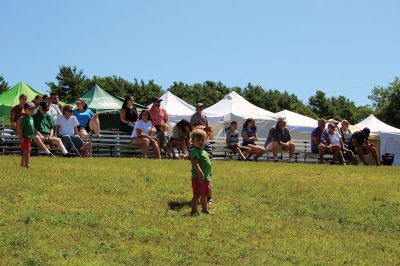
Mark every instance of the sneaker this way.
pixel 207 212
pixel 275 160
pixel 194 213
pixel 291 160
pixel 210 201
pixel 50 155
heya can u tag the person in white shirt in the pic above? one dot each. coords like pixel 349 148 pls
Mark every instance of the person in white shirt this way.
pixel 54 111
pixel 143 134
pixel 67 129
pixel 335 141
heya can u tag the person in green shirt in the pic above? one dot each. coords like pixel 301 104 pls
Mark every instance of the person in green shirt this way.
pixel 44 131
pixel 201 171
pixel 26 132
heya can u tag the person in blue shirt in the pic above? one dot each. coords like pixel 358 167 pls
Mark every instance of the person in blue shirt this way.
pixel 88 121
pixel 249 135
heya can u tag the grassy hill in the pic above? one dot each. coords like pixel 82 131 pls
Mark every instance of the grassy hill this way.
pixel 131 211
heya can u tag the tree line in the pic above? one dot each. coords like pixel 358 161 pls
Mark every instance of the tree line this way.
pixel 71 82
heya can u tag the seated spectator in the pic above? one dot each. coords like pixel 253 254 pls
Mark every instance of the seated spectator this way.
pixel 279 140
pixel 88 121
pixel 143 134
pixel 18 111
pixel 158 114
pixel 164 143
pixel 67 128
pixel 334 142
pixel 54 111
pixel 199 120
pixel 37 100
pixel 360 145
pixel 181 136
pixel 128 115
pixel 249 135
pixel 232 142
pixel 55 99
pixel 319 144
pixel 346 133
pixel 44 131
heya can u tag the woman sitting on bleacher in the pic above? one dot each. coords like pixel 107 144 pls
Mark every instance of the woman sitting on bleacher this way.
pixel 67 129
pixel 143 134
pixel 232 142
pixel 88 121
pixel 181 136
pixel 128 115
pixel 249 134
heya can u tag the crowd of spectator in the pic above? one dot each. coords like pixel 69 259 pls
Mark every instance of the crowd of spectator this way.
pixel 67 128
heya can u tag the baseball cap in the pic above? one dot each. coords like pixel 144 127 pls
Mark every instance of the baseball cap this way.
pixel 333 121
pixel 29 105
pixel 45 106
pixel 366 131
pixel 200 105
pixel 156 99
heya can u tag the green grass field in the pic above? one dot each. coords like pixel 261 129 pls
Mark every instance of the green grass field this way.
pixel 113 211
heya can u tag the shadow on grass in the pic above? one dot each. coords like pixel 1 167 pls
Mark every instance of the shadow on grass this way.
pixel 178 205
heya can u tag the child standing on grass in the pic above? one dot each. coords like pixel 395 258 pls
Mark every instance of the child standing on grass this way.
pixel 26 131
pixel 201 172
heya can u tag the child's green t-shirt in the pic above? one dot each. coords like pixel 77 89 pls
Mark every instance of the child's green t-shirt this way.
pixel 204 162
pixel 28 130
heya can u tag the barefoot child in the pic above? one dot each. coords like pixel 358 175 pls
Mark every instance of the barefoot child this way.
pixel 232 142
pixel 201 171
pixel 26 132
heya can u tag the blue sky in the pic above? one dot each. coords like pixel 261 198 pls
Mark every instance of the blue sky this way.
pixel 342 47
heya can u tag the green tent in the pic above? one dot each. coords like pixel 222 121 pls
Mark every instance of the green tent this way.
pixel 108 105
pixel 100 100
pixel 10 98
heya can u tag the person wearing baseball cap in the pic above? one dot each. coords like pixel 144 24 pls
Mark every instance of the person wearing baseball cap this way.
pixel 158 114
pixel 319 143
pixel 200 120
pixel 361 146
pixel 26 132
pixel 45 129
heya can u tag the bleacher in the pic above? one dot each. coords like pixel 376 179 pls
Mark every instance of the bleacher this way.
pixel 114 143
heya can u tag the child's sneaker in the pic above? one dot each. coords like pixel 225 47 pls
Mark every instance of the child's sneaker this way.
pixel 207 212
pixel 194 213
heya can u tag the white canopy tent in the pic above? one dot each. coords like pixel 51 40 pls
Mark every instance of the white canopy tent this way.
pixel 234 107
pixel 300 126
pixel 389 136
pixel 177 109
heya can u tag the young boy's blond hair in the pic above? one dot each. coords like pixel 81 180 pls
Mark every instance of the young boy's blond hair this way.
pixel 199 134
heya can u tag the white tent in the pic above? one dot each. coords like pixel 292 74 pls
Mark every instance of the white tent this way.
pixel 389 136
pixel 235 107
pixel 298 123
pixel 177 109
